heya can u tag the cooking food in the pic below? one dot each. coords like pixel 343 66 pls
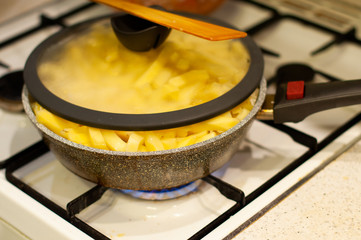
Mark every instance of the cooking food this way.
pixel 93 70
pixel 144 140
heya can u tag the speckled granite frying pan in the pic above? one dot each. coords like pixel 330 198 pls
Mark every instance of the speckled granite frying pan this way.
pixel 150 170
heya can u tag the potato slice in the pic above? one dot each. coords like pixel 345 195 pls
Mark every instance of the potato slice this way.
pixel 181 132
pixel 221 123
pixel 186 141
pixel 177 81
pixel 134 142
pixel 78 135
pixel 142 148
pixel 191 139
pixel 156 67
pixel 161 78
pixel 169 143
pixel 206 137
pixel 242 114
pixel 96 138
pixel 183 64
pixel 167 133
pixel 124 135
pixel 153 143
pixel 51 121
pixel 113 141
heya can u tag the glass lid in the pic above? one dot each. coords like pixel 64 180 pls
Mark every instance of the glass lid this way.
pixel 85 75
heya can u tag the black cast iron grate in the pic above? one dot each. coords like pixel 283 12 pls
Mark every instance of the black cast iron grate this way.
pixel 94 194
pixel 80 203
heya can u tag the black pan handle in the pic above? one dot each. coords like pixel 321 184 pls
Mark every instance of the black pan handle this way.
pixel 315 97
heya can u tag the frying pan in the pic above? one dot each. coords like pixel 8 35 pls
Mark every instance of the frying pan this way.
pixel 168 168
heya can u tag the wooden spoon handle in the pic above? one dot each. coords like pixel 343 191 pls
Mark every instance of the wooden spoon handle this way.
pixel 188 25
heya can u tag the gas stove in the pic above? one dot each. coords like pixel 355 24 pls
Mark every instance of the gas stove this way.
pixel 40 198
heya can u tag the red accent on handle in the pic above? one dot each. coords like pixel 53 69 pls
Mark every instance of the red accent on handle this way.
pixel 295 90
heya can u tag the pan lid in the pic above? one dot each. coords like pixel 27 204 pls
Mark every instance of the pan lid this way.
pixel 47 96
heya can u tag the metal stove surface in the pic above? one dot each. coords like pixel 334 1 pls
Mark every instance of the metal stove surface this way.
pixel 272 160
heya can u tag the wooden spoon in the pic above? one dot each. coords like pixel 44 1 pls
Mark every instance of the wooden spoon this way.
pixel 188 25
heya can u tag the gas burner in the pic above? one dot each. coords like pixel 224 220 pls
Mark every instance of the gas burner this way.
pixel 164 194
pixel 11 85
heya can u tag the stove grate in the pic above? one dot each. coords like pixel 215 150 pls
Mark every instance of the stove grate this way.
pixel 28 155
pixel 44 23
pixel 91 196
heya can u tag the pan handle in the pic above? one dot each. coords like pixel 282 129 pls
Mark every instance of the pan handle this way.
pixel 312 98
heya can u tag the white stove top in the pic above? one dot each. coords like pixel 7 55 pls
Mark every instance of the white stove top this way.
pixel 263 155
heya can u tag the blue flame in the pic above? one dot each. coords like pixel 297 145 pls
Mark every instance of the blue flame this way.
pixel 164 194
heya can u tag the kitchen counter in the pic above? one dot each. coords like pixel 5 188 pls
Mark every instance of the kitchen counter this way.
pixel 326 206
